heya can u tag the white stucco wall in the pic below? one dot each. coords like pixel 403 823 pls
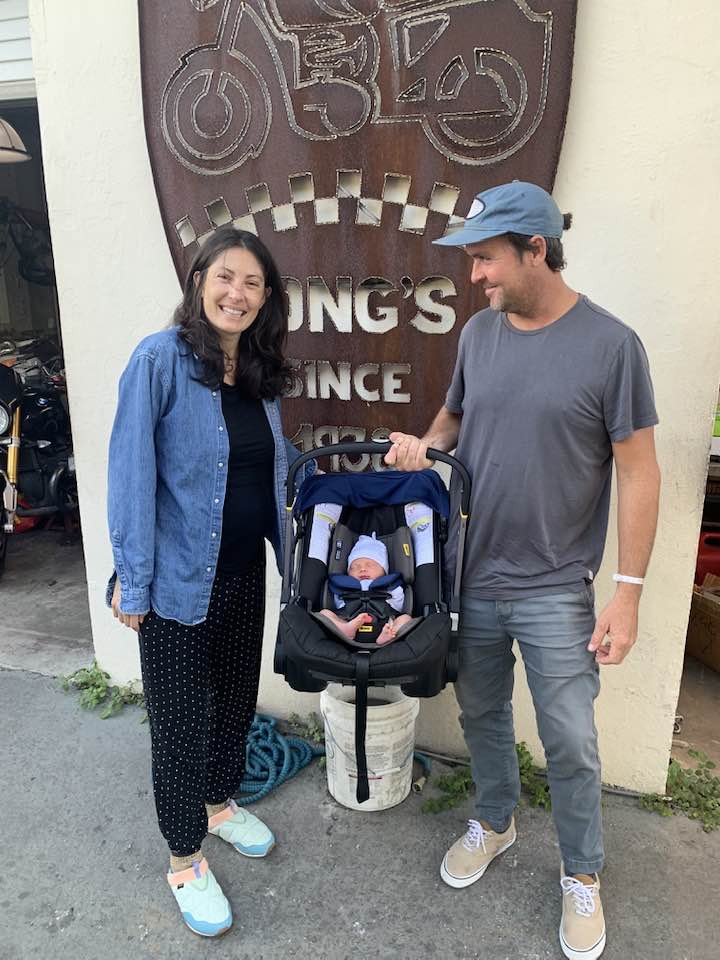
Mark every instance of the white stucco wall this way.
pixel 639 169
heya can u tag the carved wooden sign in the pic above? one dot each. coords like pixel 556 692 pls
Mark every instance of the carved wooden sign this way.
pixel 348 134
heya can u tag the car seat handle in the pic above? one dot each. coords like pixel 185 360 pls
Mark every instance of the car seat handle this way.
pixel 353 448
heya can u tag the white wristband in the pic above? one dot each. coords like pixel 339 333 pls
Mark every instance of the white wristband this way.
pixel 621 578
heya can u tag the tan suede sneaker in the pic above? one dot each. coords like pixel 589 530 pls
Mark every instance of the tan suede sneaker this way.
pixel 582 928
pixel 470 856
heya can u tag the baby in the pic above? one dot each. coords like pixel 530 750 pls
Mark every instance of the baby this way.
pixel 367 562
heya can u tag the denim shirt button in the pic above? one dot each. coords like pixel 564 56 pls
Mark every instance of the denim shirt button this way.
pixel 220 429
pixel 213 534
pixel 217 500
pixel 220 464
pixel 209 569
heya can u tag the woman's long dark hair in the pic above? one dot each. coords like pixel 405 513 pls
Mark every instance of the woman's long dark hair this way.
pixel 261 369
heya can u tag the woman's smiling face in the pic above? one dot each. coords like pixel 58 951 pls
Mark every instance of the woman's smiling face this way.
pixel 234 291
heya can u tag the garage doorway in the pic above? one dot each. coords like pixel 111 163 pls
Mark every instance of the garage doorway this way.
pixel 697 722
pixel 44 620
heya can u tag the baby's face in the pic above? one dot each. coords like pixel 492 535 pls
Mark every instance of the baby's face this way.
pixel 363 568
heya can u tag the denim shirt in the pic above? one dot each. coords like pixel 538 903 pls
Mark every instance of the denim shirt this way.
pixel 166 482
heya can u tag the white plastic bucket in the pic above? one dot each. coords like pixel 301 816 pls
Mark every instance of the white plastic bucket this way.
pixel 389 745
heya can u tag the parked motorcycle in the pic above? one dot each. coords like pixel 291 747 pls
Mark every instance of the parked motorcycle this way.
pixel 37 467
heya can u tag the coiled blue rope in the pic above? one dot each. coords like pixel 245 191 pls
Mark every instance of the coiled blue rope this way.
pixel 272 758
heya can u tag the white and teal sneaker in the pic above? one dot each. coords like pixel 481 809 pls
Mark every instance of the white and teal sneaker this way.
pixel 202 903
pixel 246 832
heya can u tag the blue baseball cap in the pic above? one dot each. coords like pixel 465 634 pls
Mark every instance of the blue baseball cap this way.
pixel 516 207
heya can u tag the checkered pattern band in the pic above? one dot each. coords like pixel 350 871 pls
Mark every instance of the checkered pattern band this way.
pixel 326 210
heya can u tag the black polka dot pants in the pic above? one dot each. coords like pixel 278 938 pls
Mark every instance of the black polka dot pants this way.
pixel 201 687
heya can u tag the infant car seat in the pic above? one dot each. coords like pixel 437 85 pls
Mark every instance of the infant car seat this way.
pixel 310 652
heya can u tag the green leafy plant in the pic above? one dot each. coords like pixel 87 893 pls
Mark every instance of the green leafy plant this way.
pixel 95 690
pixel 536 787
pixel 92 682
pixel 121 697
pixel 456 786
pixel 696 793
pixel 309 728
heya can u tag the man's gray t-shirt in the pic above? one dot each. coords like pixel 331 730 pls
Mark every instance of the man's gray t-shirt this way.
pixel 540 410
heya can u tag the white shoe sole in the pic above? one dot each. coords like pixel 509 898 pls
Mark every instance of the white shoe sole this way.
pixel 590 954
pixel 243 853
pixel 459 882
pixel 251 856
pixel 208 936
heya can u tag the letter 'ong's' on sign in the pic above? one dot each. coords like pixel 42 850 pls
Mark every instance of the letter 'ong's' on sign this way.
pixel 348 134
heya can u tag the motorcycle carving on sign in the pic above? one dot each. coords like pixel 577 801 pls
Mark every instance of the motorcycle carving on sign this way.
pixel 474 102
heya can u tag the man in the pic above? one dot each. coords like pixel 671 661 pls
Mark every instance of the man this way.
pixel 548 390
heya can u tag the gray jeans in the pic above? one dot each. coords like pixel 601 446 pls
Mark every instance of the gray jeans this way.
pixel 552 633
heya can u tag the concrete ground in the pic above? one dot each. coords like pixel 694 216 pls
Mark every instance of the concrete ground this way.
pixel 83 865
pixel 44 618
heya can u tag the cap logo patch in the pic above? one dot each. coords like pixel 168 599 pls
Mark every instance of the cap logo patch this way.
pixel 477 207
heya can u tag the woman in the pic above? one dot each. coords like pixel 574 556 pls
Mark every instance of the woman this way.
pixel 197 469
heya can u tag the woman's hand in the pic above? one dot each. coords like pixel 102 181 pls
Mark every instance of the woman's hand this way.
pixel 132 620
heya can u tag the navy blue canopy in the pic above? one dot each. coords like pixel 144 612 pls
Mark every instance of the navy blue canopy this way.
pixel 370 489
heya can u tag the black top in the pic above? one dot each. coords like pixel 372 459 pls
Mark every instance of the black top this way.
pixel 249 508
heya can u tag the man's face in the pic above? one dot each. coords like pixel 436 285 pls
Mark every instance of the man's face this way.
pixel 504 275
